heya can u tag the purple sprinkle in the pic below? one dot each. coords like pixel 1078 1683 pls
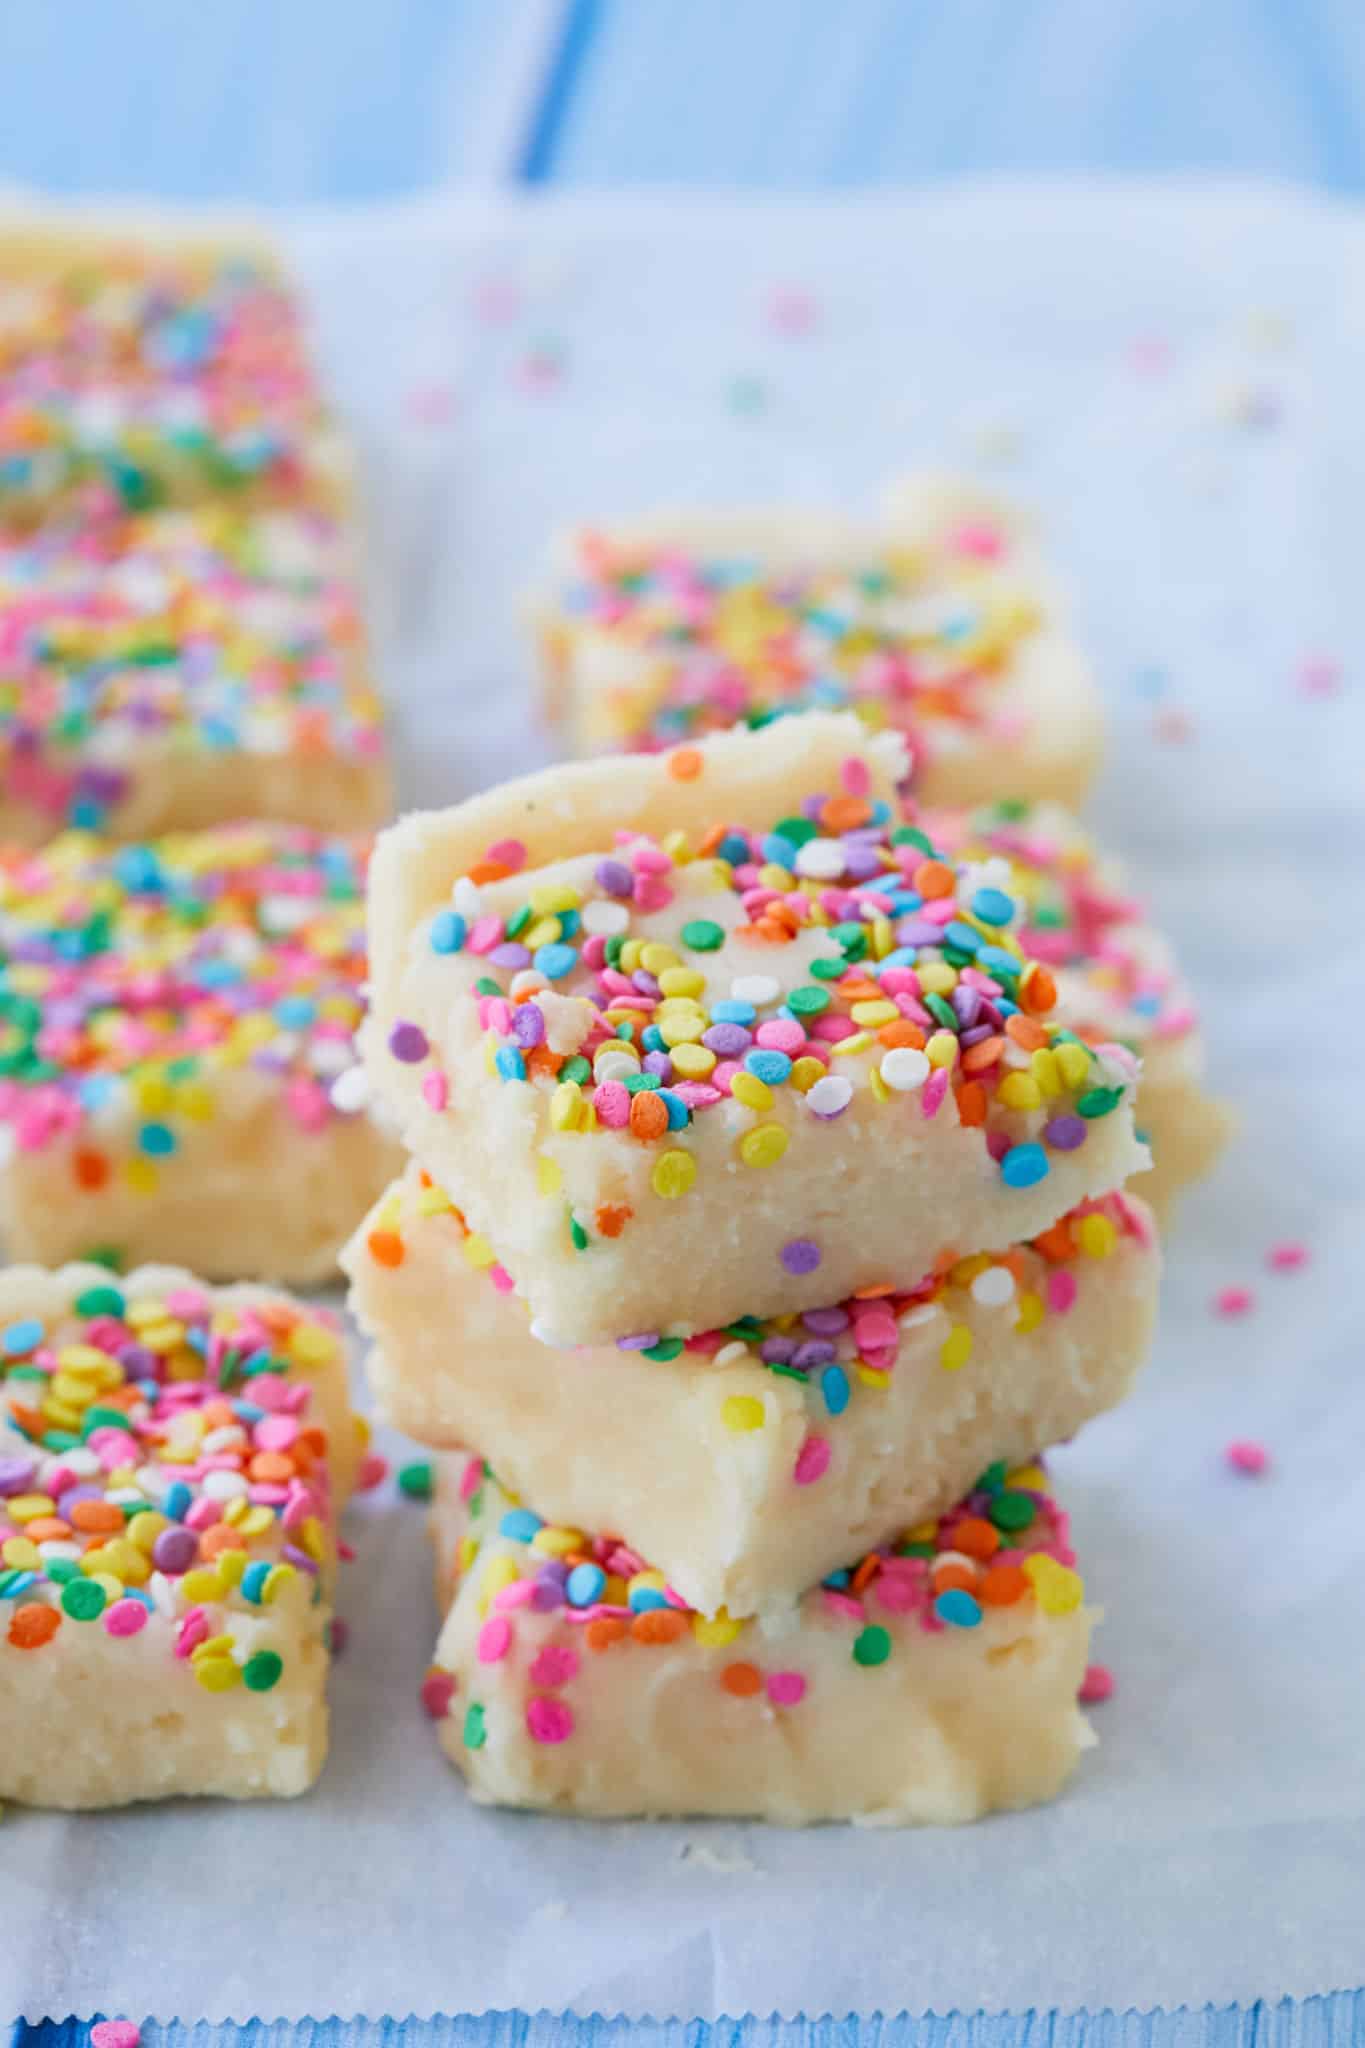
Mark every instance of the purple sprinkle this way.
pixel 408 1042
pixel 175 1550
pixel 1064 1133
pixel 967 1006
pixel 546 1595
pixel 528 1025
pixel 139 1363
pixel 800 1255
pixel 977 1033
pixel 726 1040
pixel 811 807
pixel 826 1322
pixel 645 982
pixel 614 878
pixel 861 862
pixel 511 953
pixel 644 1340
pixel 777 1350
pixel 293 1555
pixel 815 1351
pixel 16 1475
pixel 660 1063
pixel 917 931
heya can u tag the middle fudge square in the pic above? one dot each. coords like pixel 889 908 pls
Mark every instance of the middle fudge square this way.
pixel 709 1034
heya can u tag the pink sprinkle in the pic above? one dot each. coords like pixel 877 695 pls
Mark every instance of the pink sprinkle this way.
pixel 194 1630
pixel 495 1640
pixel 1245 1456
pixel 984 543
pixel 549 1720
pixel 374 1469
pixel 786 1688
pixel 431 405
pixel 1287 1257
pixel 339 1634
pixel 276 1433
pixel 438 1690
pixel 933 1092
pixel 510 853
pixel 782 1034
pixel 1234 1301
pixel 812 1460
pixel 115 2034
pixel 126 1618
pixel 854 774
pixel 897 1592
pixel 435 1090
pixel 554 1665
pixel 502 1279
pixel 1061 1290
pixel 791 310
pixel 471 1479
pixel 1097 1685
pixel 1319 676
pixel 611 1100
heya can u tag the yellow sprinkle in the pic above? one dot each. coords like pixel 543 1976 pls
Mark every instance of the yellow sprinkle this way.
pixel 858 1043
pixel 742 1412
pixel 194 1099
pixel 543 932
pixel 551 1542
pixel 152 1094
pixel 956 1348
pixel 923 1532
pixel 142 1314
pixel 277 1580
pixel 873 1376
pixel 685 1028
pixel 674 1173
pixel 1020 1091
pixel 1030 1312
pixel 650 1581
pixel 567 1106
pixel 468 1551
pixel 805 1073
pixel 311 1343
pixel 692 1062
pixel 497 1573
pixel 753 1093
pixel 84 1358
pixel 199 1585
pixel 433 1201
pixel 257 1520
pixel 966 1270
pixel 1073 1064
pixel 875 1011
pixel 1044 1069
pixel 630 955
pixel 163 1338
pixel 1057 1589
pixel 547 899
pixel 773 877
pixel 216 1674
pixel 883 940
pixel 763 1146
pixel 937 978
pixel 878 1085
pixel 657 958
pixel 230 1566
pixel 1097 1236
pixel 549 1175
pixel 1031 1477
pixel 479 1252
pixel 616 1592
pixel 212 1646
pixel 681 981
pixel 941 1051
pixel 144 1529
pixel 19 1554
pixel 714 1631
pixel 28 1507
pixel 311 1538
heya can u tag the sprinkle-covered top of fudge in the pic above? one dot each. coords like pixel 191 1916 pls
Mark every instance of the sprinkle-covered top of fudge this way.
pixel 912 638
pixel 760 975
pixel 204 631
pixel 836 1352
pixel 161 1461
pixel 134 979
pixel 144 373
pixel 1005 1545
pixel 1115 973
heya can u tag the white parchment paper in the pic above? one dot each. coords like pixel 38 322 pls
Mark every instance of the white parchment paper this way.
pixel 1175 374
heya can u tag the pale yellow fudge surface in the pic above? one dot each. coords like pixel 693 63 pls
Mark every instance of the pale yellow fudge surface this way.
pixel 748 1463
pixel 175 1018
pixel 1117 976
pixel 943 622
pixel 710 1034
pixel 934 1681
pixel 173 1458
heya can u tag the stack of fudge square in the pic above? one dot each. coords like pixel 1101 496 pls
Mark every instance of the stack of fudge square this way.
pixel 765 1223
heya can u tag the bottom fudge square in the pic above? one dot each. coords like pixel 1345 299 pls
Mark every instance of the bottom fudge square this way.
pixel 934 1680
pixel 173 1458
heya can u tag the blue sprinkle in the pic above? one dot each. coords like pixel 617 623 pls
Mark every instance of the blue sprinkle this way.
pixel 732 1012
pixel 520 1525
pixel 178 1502
pixel 643 1598
pixel 85 814
pixel 775 848
pixel 448 932
pixel 902 956
pixel 218 973
pixel 834 1387
pixel 679 1115
pixel 837 1581
pixel 958 1607
pixel 733 848
pixel 253 1580
pixel 997 961
pixel 1023 1166
pixel 1146 1006
pixel 16 1583
pixel 555 960
pixel 510 1063
pixel 585 1585
pixel 139 870
pixel 295 1013
pixel 768 1064
pixel 570 923
pixel 881 811
pixel 19 1338
pixel 993 906
pixel 157 1140
pixel 652 1039
pixel 962 936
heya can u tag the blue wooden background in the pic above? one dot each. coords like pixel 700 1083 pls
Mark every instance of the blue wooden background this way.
pixel 316 100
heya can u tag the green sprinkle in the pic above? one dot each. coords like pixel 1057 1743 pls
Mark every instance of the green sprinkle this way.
pixel 415 1480
pixel 796 831
pixel 942 1010
pixel 1011 1510
pixel 475 1734
pixel 96 1417
pixel 703 935
pixel 827 970
pixel 263 1671
pixel 99 1301
pixel 993 1478
pixel 83 1600
pixel 486 986
pixel 925 1550
pixel 1099 1101
pixel 578 1236
pixel 517 923
pixel 666 1350
pixel 110 1256
pixel 808 1002
pixel 576 1069
pixel 852 937
pixel 873 1646
pixel 910 835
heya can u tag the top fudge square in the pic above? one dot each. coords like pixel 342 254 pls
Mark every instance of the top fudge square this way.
pixel 706 1034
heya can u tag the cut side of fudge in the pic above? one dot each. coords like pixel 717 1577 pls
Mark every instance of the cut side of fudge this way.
pixel 749 1461
pixel 182 668
pixel 173 1019
pixel 943 623
pixel 709 1034
pixel 173 1458
pixel 932 1681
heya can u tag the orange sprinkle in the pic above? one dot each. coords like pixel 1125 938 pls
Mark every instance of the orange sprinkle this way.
pixel 489 871
pixel 610 1218
pixel 222 1536
pixel 1056 1243
pixel 385 1247
pixel 91 1170
pixel 1002 1585
pixel 950 1578
pixel 903 1032
pixel 971 1101
pixel 844 813
pixel 648 1116
pixel 97 1517
pixel 271 1468
pixel 743 1680
pixel 542 1059
pixel 602 1632
pixel 1025 1032
pixel 47 1529
pixel 218 1414
pixel 866 1572
pixel 33 1625
pixel 658 1625
pixel 685 764
pixel 1037 989
pixel 978 1537
pixel 934 878
pixel 982 1055
pixel 711 838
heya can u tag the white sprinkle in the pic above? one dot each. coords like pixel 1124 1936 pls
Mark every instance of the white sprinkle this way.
pixel 915 1318
pixel 286 913
pixel 821 859
pixel 756 989
pixel 994 1287
pixel 527 978
pixel 603 919
pixel 830 1094
pixel 735 1353
pixel 543 1334
pixel 330 1057
pixel 225 1486
pixel 350 1092
pixel 229 1438
pixel 466 898
pixel 615 1066
pixel 904 1068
